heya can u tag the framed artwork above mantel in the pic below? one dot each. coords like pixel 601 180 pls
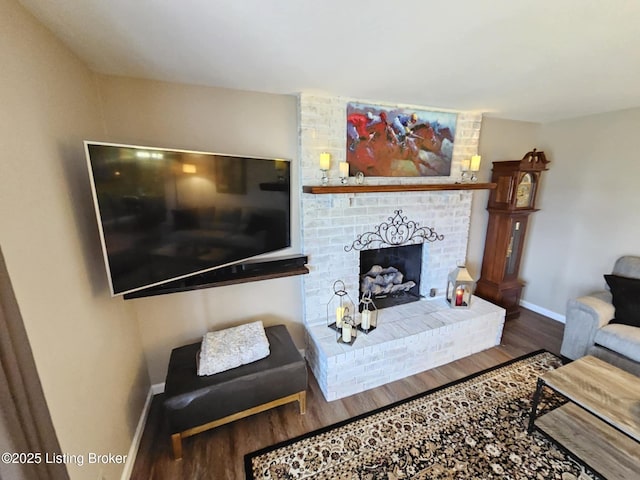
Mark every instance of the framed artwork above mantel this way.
pixel 397 142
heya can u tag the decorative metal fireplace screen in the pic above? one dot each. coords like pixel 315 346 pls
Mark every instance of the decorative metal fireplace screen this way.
pixel 391 259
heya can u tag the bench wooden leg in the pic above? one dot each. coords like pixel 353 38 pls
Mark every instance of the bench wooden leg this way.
pixel 176 438
pixel 302 402
pixel 176 442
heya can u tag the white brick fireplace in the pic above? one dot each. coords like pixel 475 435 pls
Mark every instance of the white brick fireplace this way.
pixel 330 222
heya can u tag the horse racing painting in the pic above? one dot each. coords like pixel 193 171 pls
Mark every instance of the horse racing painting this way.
pixel 395 142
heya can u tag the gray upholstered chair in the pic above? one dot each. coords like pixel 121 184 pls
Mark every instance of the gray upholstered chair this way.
pixel 588 330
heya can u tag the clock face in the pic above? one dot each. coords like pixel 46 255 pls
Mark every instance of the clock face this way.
pixel 524 191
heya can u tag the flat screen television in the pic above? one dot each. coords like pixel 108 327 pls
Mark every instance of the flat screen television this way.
pixel 168 214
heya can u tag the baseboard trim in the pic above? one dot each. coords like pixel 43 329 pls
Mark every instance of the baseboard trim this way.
pixel 157 388
pixel 543 311
pixel 137 437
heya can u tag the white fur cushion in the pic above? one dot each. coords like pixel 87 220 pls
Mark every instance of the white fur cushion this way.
pixel 232 347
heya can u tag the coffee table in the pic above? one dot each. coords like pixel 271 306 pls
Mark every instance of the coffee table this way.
pixel 600 424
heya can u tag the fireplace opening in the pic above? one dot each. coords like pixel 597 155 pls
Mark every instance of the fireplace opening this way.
pixel 392 275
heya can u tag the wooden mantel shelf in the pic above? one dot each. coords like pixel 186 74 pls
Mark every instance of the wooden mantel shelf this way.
pixel 423 187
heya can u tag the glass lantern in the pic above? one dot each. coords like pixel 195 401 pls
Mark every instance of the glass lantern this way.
pixel 460 288
pixel 347 332
pixel 338 306
pixel 368 314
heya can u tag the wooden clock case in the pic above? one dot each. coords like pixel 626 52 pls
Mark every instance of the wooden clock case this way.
pixel 510 205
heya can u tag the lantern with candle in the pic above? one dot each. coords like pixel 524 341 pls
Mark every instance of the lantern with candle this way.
pixel 460 288
pixel 339 306
pixel 368 314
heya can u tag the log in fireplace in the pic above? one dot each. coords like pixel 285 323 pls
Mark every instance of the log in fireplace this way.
pixel 391 275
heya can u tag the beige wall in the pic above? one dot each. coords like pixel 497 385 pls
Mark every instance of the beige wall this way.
pixel 589 207
pixel 86 344
pixel 216 120
pixel 588 215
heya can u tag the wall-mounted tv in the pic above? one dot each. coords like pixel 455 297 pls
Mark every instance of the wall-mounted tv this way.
pixel 167 214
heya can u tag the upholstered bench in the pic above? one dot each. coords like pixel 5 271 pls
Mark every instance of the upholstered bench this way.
pixel 195 403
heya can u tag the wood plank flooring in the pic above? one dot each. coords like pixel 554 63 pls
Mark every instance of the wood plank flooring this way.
pixel 219 454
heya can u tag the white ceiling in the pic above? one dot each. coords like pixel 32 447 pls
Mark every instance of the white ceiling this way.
pixel 534 60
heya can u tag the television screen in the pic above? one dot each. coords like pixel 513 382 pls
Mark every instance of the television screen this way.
pixel 167 214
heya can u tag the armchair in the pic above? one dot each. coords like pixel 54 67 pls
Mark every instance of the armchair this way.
pixel 590 327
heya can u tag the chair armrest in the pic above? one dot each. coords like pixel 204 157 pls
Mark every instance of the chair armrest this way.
pixel 585 315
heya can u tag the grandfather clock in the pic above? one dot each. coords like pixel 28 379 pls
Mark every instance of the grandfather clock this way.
pixel 510 205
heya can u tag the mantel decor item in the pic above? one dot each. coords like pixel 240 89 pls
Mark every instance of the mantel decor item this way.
pixel 325 165
pixel 339 306
pixel 368 314
pixel 464 170
pixel 460 288
pixel 384 141
pixel 343 168
pixel 470 169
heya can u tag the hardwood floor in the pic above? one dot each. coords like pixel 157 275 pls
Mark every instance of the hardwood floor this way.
pixel 219 454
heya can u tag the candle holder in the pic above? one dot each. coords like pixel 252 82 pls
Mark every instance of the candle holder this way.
pixel 464 170
pixel 325 178
pixel 368 314
pixel 474 166
pixel 339 306
pixel 460 288
pixel 325 165
pixel 344 172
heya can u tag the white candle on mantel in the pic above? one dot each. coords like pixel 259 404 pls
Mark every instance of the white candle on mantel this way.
pixel 344 169
pixel 325 161
pixel 366 320
pixel 475 163
pixel 465 165
pixel 346 333
pixel 339 315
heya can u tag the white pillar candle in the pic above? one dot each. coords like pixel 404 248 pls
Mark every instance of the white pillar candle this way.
pixel 366 320
pixel 465 165
pixel 344 169
pixel 346 333
pixel 325 161
pixel 339 315
pixel 475 163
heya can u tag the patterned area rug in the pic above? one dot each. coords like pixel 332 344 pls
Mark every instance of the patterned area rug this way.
pixel 474 428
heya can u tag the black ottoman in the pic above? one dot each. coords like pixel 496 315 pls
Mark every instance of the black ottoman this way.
pixel 194 404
